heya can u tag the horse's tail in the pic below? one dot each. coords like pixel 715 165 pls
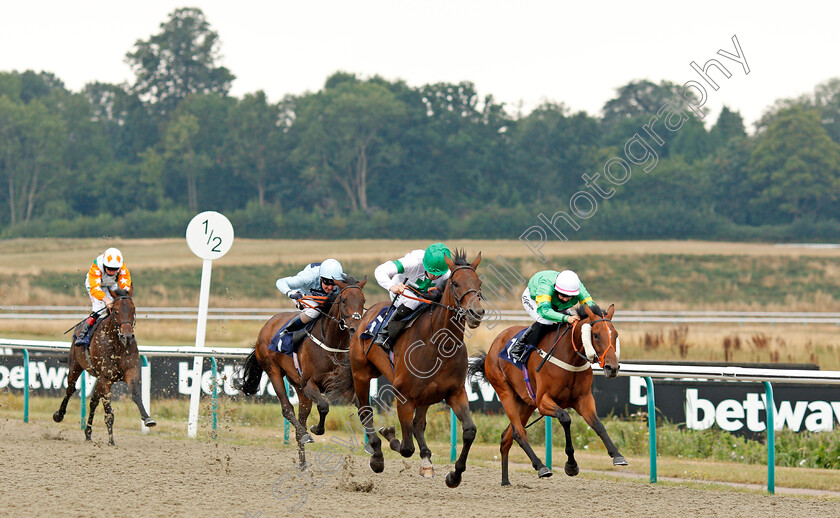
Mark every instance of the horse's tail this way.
pixel 339 384
pixel 251 374
pixel 476 367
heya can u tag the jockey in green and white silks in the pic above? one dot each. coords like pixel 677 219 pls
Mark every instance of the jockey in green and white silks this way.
pixel 550 299
pixel 316 279
pixel 418 274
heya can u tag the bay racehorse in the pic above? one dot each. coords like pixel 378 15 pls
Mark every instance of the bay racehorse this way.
pixel 429 365
pixel 111 357
pixel 319 355
pixel 561 374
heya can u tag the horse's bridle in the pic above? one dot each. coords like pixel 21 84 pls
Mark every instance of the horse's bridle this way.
pixel 342 318
pixel 130 322
pixel 602 358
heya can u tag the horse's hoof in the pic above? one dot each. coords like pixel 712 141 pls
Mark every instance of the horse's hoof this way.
pixel 304 466
pixel 317 430
pixel 571 469
pixel 618 460
pixel 111 442
pixel 544 472
pixel 453 479
pixel 377 463
pixel 426 469
pixel 388 432
pixel 506 483
pixel 306 439
pixel 149 422
pixel 58 417
pixel 369 449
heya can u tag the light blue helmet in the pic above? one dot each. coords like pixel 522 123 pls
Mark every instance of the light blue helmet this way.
pixel 331 269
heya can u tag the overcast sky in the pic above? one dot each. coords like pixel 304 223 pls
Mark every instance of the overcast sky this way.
pixel 520 52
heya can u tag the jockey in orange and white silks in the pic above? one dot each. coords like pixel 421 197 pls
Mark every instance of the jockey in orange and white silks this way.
pixel 108 272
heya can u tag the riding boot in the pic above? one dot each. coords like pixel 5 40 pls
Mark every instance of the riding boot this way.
pixel 389 332
pixel 532 337
pixel 82 337
pixel 297 338
pixel 296 324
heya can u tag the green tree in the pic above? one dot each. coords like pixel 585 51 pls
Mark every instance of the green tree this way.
pixel 180 60
pixel 257 144
pixel 345 138
pixel 32 141
pixel 729 126
pixel 795 168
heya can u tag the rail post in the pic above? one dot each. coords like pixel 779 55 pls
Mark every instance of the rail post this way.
pixel 651 428
pixel 453 435
pixel 25 386
pixel 214 371
pixel 286 421
pixel 145 389
pixel 770 407
pixel 549 439
pixel 83 396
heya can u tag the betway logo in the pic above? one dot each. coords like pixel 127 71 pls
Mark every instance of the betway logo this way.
pixel 40 376
pixel 732 415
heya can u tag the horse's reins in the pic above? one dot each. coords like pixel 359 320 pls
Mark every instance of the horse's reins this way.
pixel 342 324
pixel 603 356
pixel 557 341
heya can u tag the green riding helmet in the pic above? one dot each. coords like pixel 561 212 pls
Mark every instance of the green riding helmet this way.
pixel 434 260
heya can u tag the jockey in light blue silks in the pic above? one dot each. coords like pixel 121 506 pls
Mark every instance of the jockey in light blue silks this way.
pixel 317 279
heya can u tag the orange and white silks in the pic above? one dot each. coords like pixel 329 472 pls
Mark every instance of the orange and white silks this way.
pixel 97 279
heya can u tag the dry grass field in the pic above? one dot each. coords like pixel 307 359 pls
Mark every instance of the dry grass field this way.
pixel 635 275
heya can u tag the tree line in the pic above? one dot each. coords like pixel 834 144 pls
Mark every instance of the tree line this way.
pixel 373 157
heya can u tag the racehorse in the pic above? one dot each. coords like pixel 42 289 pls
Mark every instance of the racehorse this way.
pixel 111 357
pixel 429 365
pixel 318 356
pixel 561 374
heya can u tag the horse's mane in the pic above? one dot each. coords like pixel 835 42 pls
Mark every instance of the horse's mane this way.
pixel 459 257
pixel 581 311
pixel 119 292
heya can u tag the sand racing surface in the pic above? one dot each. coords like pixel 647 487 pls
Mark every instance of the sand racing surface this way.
pixel 49 470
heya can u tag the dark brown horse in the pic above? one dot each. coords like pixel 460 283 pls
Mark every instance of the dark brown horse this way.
pixel 563 381
pixel 112 357
pixel 430 365
pixel 319 355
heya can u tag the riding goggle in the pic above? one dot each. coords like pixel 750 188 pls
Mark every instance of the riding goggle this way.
pixel 564 296
pixel 327 282
pixel 111 271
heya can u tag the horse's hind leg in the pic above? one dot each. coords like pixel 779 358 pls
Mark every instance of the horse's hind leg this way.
pixel 132 379
pixel 361 385
pixel 301 436
pixel 515 409
pixel 94 402
pixel 586 408
pixel 461 406
pixel 74 370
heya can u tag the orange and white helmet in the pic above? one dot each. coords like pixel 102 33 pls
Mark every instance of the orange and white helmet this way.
pixel 112 258
pixel 567 283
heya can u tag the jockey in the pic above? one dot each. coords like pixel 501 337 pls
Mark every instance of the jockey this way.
pixel 108 272
pixel 317 279
pixel 422 273
pixel 550 299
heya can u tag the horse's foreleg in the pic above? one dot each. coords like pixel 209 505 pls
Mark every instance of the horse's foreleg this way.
pixel 74 370
pixel 313 393
pixel 504 449
pixel 586 408
pixel 132 379
pixel 549 408
pixel 420 435
pixel 109 415
pixel 405 413
pixel 459 403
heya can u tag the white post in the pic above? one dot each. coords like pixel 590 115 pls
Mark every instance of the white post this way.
pixel 209 236
pixel 146 390
pixel 200 333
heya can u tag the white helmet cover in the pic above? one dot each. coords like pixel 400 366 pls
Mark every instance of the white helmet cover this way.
pixel 331 269
pixel 112 258
pixel 567 283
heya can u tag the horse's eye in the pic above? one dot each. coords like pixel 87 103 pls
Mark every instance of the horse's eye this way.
pixel 596 336
pixel 454 284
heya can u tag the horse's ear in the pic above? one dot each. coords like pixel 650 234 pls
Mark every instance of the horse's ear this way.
pixel 364 281
pixel 589 312
pixel 477 261
pixel 340 284
pixel 611 311
pixel 449 262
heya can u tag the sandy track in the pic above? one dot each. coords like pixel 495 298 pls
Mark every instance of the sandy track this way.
pixel 48 469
